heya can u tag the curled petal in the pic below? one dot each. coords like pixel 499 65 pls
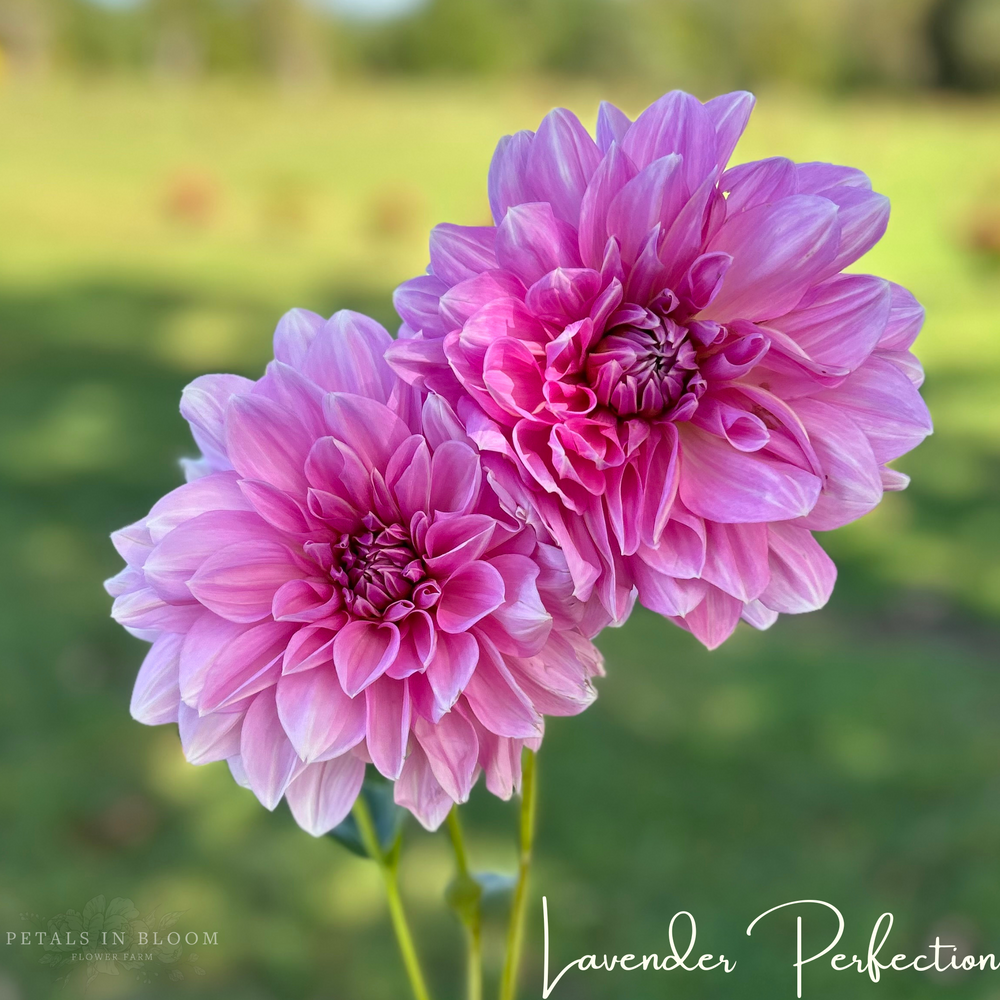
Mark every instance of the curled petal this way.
pixel 469 594
pixel 362 651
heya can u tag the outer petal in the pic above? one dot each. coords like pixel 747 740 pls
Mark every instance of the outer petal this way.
pixel 349 357
pixel 802 574
pixel 203 406
pixel 322 794
pixel 318 717
pixel 508 177
pixel 419 791
pixel 561 161
pixel 729 486
pixel 778 251
pixel 156 694
pixel 452 751
pixel 268 757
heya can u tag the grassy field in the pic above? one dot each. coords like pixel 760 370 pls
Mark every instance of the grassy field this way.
pixel 150 235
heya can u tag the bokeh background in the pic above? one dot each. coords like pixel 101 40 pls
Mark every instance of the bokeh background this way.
pixel 175 174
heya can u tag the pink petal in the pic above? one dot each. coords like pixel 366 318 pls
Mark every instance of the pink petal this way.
pixel 156 694
pixel 512 376
pixel 802 574
pixel 498 703
pixel 419 791
pixel 371 429
pixel 561 161
pixel 715 619
pixel 612 125
pixel 239 581
pixel 316 714
pixel 676 123
pixel 417 301
pixel 146 611
pixel 729 113
pixel 276 507
pixel 448 672
pixel 218 491
pixel 134 542
pixel 654 196
pixel 348 356
pixel 322 795
pixel 722 484
pixel 852 485
pixel 469 594
pixel 208 738
pixel 408 475
pixel 736 559
pixel 269 760
pixel 176 559
pixel 362 651
pixel 664 594
pixel 456 477
pixel 756 615
pixel 906 317
pixel 454 543
pixel 388 724
pixel 203 406
pixel 508 183
pixel 250 663
pixel 884 403
pixel 208 636
pixel 840 322
pixel 531 241
pixel 615 171
pixel 461 252
pixel 521 625
pixel 267 442
pixel 778 251
pixel 462 301
pixel 558 680
pixel 452 751
pixel 295 331
pixel 759 183
pixel 863 218
pixel 310 647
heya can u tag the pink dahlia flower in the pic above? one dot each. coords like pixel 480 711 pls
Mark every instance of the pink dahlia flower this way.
pixel 669 359
pixel 338 585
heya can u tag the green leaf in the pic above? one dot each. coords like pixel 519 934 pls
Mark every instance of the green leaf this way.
pixel 463 895
pixel 468 894
pixel 386 816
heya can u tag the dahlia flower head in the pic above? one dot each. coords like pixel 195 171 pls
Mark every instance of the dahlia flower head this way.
pixel 665 361
pixel 337 584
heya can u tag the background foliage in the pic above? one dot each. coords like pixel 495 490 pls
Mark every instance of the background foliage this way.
pixel 157 217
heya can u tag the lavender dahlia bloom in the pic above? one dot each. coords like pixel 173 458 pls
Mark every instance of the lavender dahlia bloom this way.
pixel 337 584
pixel 669 360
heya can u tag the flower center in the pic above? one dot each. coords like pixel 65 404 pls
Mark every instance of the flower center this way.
pixel 379 573
pixel 646 364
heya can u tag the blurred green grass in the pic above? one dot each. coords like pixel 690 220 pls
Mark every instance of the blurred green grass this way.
pixel 150 234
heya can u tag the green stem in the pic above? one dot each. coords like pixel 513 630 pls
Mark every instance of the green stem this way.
pixel 471 917
pixel 388 864
pixel 519 906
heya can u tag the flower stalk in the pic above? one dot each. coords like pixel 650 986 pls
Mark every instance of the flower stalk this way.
pixel 519 905
pixel 388 863
pixel 465 896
